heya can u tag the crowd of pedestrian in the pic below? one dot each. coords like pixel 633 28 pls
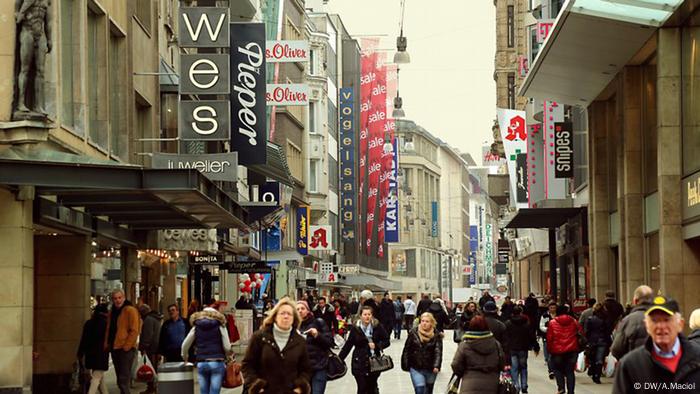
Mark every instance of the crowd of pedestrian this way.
pixel 294 348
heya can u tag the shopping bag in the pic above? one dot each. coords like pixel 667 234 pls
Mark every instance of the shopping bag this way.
pixel 336 368
pixel 457 335
pixel 505 384
pixel 144 371
pixel 75 377
pixel 380 363
pixel 453 385
pixel 609 366
pixel 581 362
pixel 233 377
pixel 338 340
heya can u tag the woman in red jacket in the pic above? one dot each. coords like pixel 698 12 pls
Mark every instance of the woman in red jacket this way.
pixel 562 344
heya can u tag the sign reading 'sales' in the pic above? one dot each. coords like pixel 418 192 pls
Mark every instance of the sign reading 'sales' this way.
pixel 248 95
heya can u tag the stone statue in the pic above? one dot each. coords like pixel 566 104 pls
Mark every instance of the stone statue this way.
pixel 33 19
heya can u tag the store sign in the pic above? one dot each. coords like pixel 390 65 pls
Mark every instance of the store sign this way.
pixel 286 51
pixel 270 192
pixel 521 177
pixel 216 166
pixel 248 104
pixel 473 250
pixel 287 94
pixel 348 199
pixel 205 120
pixel 320 237
pixel 514 135
pixel 203 27
pixel 303 230
pixel 488 250
pixel 330 277
pixel 204 73
pixel 466 270
pixel 249 267
pixel 391 222
pixel 204 240
pixel 554 188
pixel 349 269
pixel 691 196
pixel 206 259
pixel 563 150
pixel 543 28
pixel 434 215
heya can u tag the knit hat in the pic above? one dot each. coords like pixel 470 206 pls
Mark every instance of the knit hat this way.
pixel 490 307
pixel 306 304
pixel 366 294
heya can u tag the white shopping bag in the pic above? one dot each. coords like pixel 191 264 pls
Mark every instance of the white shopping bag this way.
pixel 143 370
pixel 609 366
pixel 581 362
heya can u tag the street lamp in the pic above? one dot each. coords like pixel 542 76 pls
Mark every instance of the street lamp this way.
pixel 401 56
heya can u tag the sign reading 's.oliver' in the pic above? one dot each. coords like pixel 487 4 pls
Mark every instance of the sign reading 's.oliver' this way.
pixel 248 105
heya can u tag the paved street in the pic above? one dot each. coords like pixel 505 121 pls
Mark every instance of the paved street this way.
pixel 397 381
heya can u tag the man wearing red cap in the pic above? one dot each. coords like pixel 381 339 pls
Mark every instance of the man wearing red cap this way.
pixel 668 362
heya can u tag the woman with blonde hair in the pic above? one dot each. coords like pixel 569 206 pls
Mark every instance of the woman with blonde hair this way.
pixel 277 360
pixel 422 354
pixel 694 323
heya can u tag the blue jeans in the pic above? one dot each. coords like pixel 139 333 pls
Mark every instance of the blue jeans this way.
pixel 318 382
pixel 211 375
pixel 423 380
pixel 518 368
pixel 397 328
pixel 547 356
pixel 596 358
pixel 564 365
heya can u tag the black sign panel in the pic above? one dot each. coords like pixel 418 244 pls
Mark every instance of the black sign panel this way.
pixel 248 105
pixel 521 177
pixel 501 269
pixel 563 150
pixel 207 259
pixel 249 267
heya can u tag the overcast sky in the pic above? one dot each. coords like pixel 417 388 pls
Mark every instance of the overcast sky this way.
pixel 448 87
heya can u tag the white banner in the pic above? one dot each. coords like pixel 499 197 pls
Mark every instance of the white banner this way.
pixel 555 188
pixel 287 94
pixel 514 135
pixel 286 51
pixel 321 237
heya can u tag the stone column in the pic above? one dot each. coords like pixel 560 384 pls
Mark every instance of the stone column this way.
pixel 632 195
pixel 16 292
pixel 668 85
pixel 62 305
pixel 616 139
pixel 598 213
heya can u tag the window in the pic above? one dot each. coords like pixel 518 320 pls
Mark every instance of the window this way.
pixel 142 129
pixel 333 221
pixel 312 62
pixel 69 45
pixel 97 81
pixel 556 8
pixel 332 119
pixel 313 175
pixel 511 26
pixel 117 95
pixel 312 117
pixel 690 64
pixel 331 66
pixel 143 14
pixel 580 129
pixel 511 90
pixel 333 177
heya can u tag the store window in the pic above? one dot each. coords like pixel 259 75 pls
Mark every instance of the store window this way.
pixel 117 96
pixel 312 117
pixel 511 26
pixel 69 43
pixel 649 129
pixel 511 90
pixel 313 175
pixel 97 80
pixel 333 173
pixel 690 65
pixel 143 14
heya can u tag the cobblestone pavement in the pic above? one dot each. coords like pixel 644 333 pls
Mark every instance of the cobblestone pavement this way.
pixel 397 381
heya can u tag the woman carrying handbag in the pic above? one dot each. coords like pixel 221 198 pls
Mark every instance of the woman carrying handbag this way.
pixel 369 338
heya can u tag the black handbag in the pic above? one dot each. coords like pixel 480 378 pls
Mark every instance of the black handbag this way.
pixel 457 335
pixel 336 367
pixel 380 363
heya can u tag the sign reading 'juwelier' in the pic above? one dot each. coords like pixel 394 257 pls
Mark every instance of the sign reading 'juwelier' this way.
pixel 217 166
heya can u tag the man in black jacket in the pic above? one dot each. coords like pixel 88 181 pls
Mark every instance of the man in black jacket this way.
pixel 324 311
pixel 423 305
pixel 520 338
pixel 386 313
pixel 668 362
pixel 631 333
pixel 496 326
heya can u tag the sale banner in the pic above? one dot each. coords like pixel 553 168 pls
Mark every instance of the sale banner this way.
pixel 368 64
pixel 377 124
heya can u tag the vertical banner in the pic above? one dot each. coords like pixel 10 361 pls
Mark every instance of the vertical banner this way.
pixel 521 176
pixel 473 249
pixel 434 214
pixel 368 65
pixel 553 113
pixel 248 103
pixel 391 223
pixel 535 165
pixel 563 150
pixel 514 135
pixel 488 251
pixel 303 230
pixel 376 123
pixel 347 163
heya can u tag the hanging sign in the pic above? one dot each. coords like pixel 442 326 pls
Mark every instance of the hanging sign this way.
pixel 249 267
pixel 215 166
pixel 514 136
pixel 563 150
pixel 248 107
pixel 286 51
pixel 303 230
pixel 320 237
pixel 206 259
pixel 287 94
pixel 347 163
pixel 391 221
pixel 434 224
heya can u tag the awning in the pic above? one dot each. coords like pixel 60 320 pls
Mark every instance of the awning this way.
pixel 370 282
pixel 543 217
pixel 276 167
pixel 140 198
pixel 262 214
pixel 282 255
pixel 169 79
pixel 591 41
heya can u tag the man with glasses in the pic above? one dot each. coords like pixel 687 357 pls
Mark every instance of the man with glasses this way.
pixel 667 362
pixel 172 334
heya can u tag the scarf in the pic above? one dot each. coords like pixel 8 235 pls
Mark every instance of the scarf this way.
pixel 425 336
pixel 281 336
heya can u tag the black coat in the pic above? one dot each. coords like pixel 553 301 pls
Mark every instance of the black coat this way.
pixel 423 306
pixel 465 319
pixel 267 367
pixel 640 367
pixel 372 304
pixel 327 315
pixel 614 311
pixel 497 328
pixel 695 336
pixel 519 334
pixel 420 355
pixel 318 347
pixel 386 313
pixel 506 311
pixel 358 340
pixel 597 331
pixel 92 344
pixel 439 314
pixel 484 299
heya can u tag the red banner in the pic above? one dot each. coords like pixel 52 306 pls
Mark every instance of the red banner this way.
pixel 368 64
pixel 376 121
